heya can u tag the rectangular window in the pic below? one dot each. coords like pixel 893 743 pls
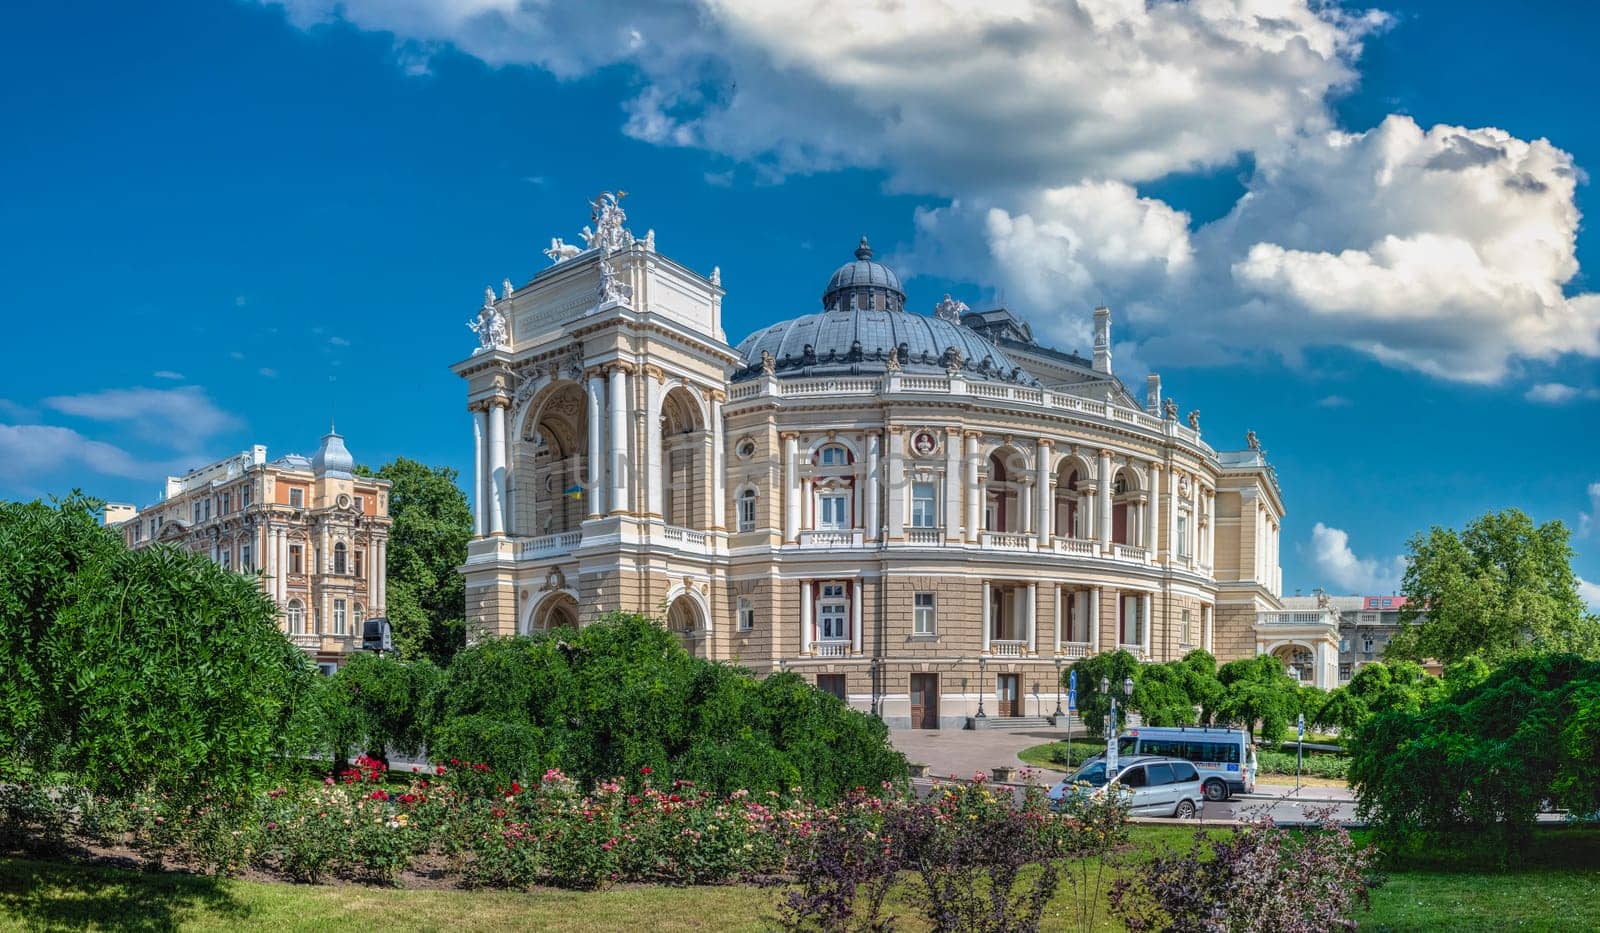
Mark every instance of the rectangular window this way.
pixel 224 557
pixel 297 498
pixel 747 614
pixel 154 527
pixel 833 612
pixel 296 558
pixel 361 503
pixel 747 511
pixel 833 512
pixel 922 614
pixel 198 513
pixel 338 617
pixel 208 510
pixel 831 684
pixel 361 563
pixel 1183 535
pixel 924 506
pixel 356 615
pixel 1132 620
pixel 227 504
pixel 245 562
pixel 244 497
pixel 1188 629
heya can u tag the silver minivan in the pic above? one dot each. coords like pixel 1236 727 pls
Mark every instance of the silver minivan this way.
pixel 1154 786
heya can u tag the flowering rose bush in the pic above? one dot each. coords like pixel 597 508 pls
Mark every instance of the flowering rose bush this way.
pixel 352 827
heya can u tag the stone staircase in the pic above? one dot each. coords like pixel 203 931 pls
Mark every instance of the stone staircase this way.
pixel 1010 723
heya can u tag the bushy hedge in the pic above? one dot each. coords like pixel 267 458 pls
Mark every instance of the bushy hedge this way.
pixel 1487 758
pixel 622 695
pixel 1323 766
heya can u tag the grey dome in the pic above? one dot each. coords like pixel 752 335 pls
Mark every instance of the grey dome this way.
pixel 859 343
pixel 332 459
pixel 864 279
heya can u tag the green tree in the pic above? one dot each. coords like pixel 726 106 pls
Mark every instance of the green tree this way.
pixel 426 596
pixel 377 705
pixel 1093 704
pixel 1258 695
pixel 1501 587
pixel 136 670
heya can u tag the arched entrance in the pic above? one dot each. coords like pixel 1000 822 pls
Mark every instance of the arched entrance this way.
pixel 558 610
pixel 685 620
pixel 549 477
pixel 1298 660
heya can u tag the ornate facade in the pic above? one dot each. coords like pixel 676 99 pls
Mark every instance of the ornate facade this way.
pixel 920 513
pixel 316 533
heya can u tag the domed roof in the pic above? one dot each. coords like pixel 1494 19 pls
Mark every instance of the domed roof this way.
pixel 864 272
pixel 332 459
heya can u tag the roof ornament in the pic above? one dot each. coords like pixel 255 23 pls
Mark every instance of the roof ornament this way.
pixel 1194 420
pixel 1170 410
pixel 769 364
pixel 891 362
pixel 716 276
pixel 863 251
pixel 560 251
pixel 609 236
pixel 1251 441
pixel 505 289
pixel 949 309
pixel 490 325
pixel 952 359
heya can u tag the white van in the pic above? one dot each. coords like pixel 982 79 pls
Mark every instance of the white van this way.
pixel 1226 758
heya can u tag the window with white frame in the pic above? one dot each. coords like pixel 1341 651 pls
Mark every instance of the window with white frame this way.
pixel 357 614
pixel 297 558
pixel 924 505
pixel 833 612
pixel 922 614
pixel 1132 620
pixel 227 504
pixel 338 616
pixel 833 511
pixel 339 557
pixel 361 563
pixel 747 614
pixel 246 562
pixel 225 557
pixel 1183 534
pixel 1188 629
pixel 244 496
pixel 361 503
pixel 297 498
pixel 747 510
pixel 296 616
pixel 198 513
pixel 833 455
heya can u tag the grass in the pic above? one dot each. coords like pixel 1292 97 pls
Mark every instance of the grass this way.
pixel 1552 889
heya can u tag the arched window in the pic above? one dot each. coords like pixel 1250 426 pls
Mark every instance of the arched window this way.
pixel 833 455
pixel 339 557
pixel 357 615
pixel 747 510
pixel 296 615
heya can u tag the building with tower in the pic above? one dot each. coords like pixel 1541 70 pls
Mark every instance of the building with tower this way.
pixel 926 514
pixel 315 533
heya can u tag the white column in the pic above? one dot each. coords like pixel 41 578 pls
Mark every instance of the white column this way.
pixel 618 455
pixel 897 487
pixel 480 499
pixel 380 572
pixel 805 617
pixel 855 616
pixel 1172 517
pixel 986 622
pixel 869 505
pixel 1085 528
pixel 1149 615
pixel 974 493
pixel 1104 505
pixel 791 490
pixel 1033 618
pixel 1208 621
pixel 653 455
pixel 1094 619
pixel 1152 536
pixel 1025 508
pixel 1043 500
pixel 951 519
pixel 596 491
pixel 1060 599
pixel 497 466
pixel 719 467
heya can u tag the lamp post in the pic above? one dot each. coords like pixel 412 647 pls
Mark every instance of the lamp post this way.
pixel 1111 723
pixel 981 682
pixel 1058 687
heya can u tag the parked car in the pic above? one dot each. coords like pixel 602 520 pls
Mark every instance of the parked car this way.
pixel 1226 758
pixel 1155 786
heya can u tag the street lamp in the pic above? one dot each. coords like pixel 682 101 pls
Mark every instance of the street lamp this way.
pixel 981 682
pixel 1058 687
pixel 1111 724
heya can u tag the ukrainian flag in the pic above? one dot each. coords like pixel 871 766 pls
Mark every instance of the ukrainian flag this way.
pixel 576 492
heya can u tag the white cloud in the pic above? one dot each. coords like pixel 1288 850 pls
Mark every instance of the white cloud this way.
pixel 183 417
pixel 268 372
pixel 1557 393
pixel 339 341
pixel 1332 558
pixel 1589 593
pixel 168 374
pixel 33 452
pixel 1446 250
pixel 1334 401
pixel 1586 520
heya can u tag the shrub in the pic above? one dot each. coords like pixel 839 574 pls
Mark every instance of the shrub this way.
pixel 1257 878
pixel 1317 765
pixel 844 860
pixel 375 705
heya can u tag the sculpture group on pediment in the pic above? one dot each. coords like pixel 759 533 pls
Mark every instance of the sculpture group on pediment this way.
pixel 1194 419
pixel 1170 410
pixel 490 325
pixel 950 309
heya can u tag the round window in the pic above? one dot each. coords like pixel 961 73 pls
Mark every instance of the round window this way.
pixel 747 449
pixel 344 501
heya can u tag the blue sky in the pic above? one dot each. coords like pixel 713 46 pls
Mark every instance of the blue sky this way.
pixel 229 223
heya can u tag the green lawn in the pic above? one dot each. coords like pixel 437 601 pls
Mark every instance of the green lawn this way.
pixel 59 895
